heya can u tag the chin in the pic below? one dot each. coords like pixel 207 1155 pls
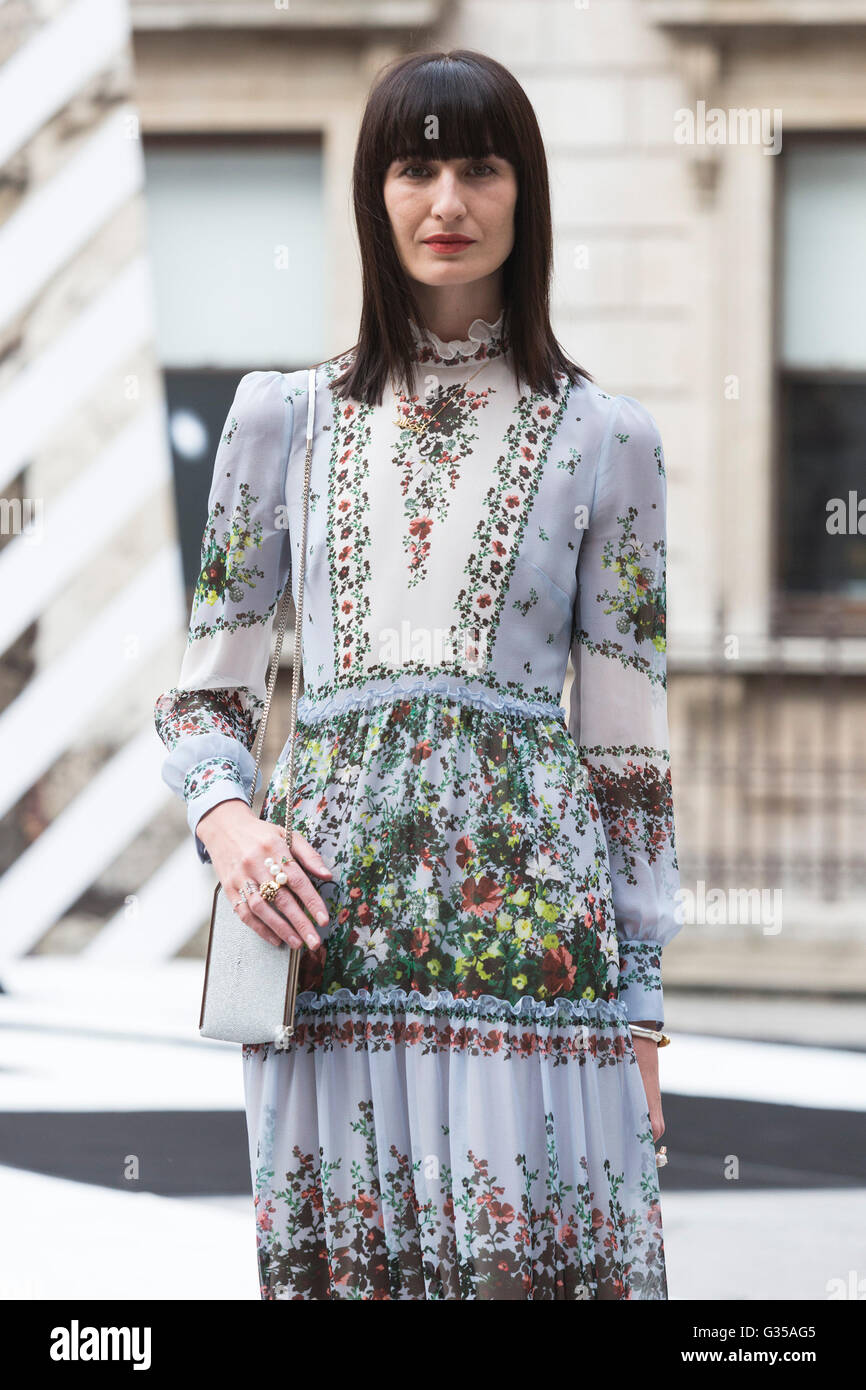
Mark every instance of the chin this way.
pixel 448 274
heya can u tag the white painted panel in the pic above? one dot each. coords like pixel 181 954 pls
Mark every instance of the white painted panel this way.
pixel 220 220
pixel 88 356
pixel 163 917
pixel 45 72
pixel 40 724
pixel 80 843
pixel 824 235
pixel 77 524
pixel 58 218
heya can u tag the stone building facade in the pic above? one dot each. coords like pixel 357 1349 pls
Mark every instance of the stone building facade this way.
pixel 687 143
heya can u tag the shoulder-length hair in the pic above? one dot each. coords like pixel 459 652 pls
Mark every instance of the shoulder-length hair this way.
pixel 480 109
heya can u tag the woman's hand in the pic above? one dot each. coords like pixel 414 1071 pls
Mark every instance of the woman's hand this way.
pixel 647 1054
pixel 239 842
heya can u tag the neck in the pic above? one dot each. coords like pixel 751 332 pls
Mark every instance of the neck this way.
pixel 449 310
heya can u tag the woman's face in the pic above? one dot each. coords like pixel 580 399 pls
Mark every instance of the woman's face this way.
pixel 467 203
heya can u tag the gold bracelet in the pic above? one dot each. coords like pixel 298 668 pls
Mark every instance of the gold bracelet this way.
pixel 661 1039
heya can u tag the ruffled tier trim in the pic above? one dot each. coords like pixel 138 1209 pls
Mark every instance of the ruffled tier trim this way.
pixel 400 1154
pixel 312 708
pixel 580 1012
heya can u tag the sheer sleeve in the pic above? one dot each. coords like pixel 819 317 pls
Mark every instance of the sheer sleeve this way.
pixel 208 721
pixel 618 707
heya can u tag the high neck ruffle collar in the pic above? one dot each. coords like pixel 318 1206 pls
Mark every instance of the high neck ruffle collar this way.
pixel 484 340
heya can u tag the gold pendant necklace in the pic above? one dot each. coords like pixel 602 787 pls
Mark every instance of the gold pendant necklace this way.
pixel 419 427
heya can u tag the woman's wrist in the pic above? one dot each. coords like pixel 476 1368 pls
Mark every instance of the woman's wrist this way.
pixel 651 1033
pixel 217 816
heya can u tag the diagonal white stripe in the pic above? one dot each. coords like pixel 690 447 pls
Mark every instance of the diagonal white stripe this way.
pixel 80 843
pixel 162 917
pixel 79 522
pixel 787 1075
pixel 57 219
pixel 41 76
pixel 88 356
pixel 40 724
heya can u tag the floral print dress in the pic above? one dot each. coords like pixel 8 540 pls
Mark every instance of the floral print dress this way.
pixel 460 1114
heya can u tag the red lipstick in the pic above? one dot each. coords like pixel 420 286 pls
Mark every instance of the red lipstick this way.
pixel 448 243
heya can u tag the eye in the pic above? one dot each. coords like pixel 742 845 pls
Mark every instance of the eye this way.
pixel 410 170
pixel 485 168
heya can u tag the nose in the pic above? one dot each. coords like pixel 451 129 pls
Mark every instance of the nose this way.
pixel 447 202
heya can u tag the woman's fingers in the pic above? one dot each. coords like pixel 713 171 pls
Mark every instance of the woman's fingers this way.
pixel 284 914
pixel 285 917
pixel 249 918
pixel 298 886
pixel 307 857
pixel 284 929
pixel 291 909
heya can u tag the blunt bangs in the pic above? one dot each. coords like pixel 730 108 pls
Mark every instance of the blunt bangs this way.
pixel 441 106
pixel 450 110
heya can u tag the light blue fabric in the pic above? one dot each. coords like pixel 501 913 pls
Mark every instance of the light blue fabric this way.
pixel 505 874
pixel 606 456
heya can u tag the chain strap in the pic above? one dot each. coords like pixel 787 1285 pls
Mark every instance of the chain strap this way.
pixel 281 629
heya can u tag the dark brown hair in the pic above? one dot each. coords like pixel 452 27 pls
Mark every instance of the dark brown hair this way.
pixel 481 109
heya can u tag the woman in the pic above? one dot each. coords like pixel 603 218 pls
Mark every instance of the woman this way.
pixel 463 1112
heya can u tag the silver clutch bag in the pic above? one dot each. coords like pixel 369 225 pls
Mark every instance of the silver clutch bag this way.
pixel 250 985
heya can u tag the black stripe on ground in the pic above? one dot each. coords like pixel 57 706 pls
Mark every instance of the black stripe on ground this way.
pixel 177 1153
pixel 767 1145
pixel 204 1153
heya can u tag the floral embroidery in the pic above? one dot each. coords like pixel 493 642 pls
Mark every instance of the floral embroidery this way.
pixel 528 603
pixel 348 534
pixel 381 1227
pixel 497 538
pixel 639 600
pixel 488 568
pixel 640 604
pixel 571 462
pixel 427 479
pixel 635 799
pixel 181 714
pixel 641 964
pixel 459 1113
pixel 227 571
pixel 579 1032
pixel 498 894
pixel 205 773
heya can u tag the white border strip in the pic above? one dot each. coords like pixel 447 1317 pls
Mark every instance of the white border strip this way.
pixel 62 215
pixel 80 843
pixel 55 64
pixel 87 357
pixel 161 918
pixel 79 522
pixel 69 694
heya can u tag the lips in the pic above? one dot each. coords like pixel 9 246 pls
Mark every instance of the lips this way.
pixel 448 244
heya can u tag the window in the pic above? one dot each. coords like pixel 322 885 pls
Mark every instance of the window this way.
pixel 230 220
pixel 821 574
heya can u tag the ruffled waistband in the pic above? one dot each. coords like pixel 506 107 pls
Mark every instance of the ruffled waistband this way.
pixel 312 708
pixel 486 1006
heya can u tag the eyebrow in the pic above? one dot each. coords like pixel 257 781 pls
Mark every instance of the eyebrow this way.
pixel 433 159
